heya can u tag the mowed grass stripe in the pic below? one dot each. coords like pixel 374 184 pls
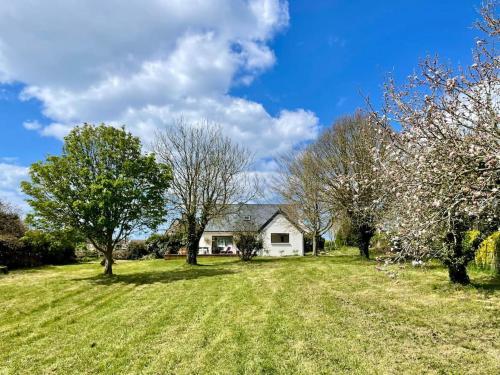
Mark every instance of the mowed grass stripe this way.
pixel 334 314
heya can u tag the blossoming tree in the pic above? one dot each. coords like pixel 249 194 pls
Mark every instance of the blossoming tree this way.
pixel 444 168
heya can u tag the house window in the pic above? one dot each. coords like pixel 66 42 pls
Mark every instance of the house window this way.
pixel 247 218
pixel 280 238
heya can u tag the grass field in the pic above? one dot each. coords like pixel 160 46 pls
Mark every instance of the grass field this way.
pixel 335 314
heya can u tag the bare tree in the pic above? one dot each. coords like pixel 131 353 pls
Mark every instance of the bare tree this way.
pixel 10 222
pixel 348 157
pixel 300 188
pixel 208 175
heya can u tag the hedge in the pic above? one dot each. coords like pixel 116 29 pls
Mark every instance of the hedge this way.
pixel 16 253
pixel 34 249
pixel 135 249
pixel 488 253
pixel 161 244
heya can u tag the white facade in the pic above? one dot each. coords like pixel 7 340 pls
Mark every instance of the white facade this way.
pixel 281 225
pixel 280 238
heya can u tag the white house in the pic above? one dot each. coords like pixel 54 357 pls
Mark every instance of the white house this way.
pixel 280 235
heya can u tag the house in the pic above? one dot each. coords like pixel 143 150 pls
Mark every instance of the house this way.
pixel 281 237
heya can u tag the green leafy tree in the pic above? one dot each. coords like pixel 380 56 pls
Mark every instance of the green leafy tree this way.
pixel 101 186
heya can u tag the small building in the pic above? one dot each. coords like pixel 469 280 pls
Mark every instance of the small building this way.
pixel 281 236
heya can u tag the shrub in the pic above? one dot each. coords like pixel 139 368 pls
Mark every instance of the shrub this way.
pixel 248 244
pixel 36 248
pixel 161 244
pixel 85 252
pixel 52 247
pixel 330 245
pixel 149 257
pixel 488 253
pixel 135 249
pixel 15 253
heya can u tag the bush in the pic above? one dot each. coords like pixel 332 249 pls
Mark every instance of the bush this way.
pixel 161 244
pixel 488 253
pixel 135 249
pixel 15 253
pixel 248 244
pixel 85 252
pixel 330 246
pixel 35 249
pixel 52 247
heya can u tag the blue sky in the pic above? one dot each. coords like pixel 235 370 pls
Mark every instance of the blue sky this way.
pixel 333 50
pixel 273 73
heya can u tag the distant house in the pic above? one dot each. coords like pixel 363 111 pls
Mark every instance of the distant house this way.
pixel 280 235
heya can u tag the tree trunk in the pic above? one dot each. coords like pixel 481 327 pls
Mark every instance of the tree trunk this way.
pixel 364 249
pixel 457 257
pixel 192 242
pixel 108 263
pixel 458 274
pixel 365 234
pixel 315 245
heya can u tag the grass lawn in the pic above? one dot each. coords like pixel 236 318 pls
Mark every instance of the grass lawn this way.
pixel 331 315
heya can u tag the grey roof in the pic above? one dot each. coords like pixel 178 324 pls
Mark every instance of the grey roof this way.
pixel 232 221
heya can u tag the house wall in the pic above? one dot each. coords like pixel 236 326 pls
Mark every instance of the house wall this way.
pixel 206 241
pixel 280 224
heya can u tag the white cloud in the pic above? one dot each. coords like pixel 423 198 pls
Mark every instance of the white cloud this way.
pixel 10 177
pixel 32 125
pixel 145 64
pixel 9 159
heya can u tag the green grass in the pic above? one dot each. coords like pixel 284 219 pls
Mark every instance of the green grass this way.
pixel 336 314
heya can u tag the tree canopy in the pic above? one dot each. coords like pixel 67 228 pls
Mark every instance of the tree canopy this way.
pixel 101 186
pixel 444 165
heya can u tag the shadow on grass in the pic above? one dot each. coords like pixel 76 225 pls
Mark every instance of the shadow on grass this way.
pixel 267 259
pixel 165 277
pixel 487 285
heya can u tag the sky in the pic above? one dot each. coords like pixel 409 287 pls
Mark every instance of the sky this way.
pixel 272 73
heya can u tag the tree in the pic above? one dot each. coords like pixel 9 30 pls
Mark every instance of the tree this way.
pixel 348 158
pixel 208 175
pixel 300 188
pixel 102 186
pixel 444 169
pixel 10 222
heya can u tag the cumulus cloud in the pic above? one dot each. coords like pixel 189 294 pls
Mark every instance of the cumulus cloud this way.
pixel 147 63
